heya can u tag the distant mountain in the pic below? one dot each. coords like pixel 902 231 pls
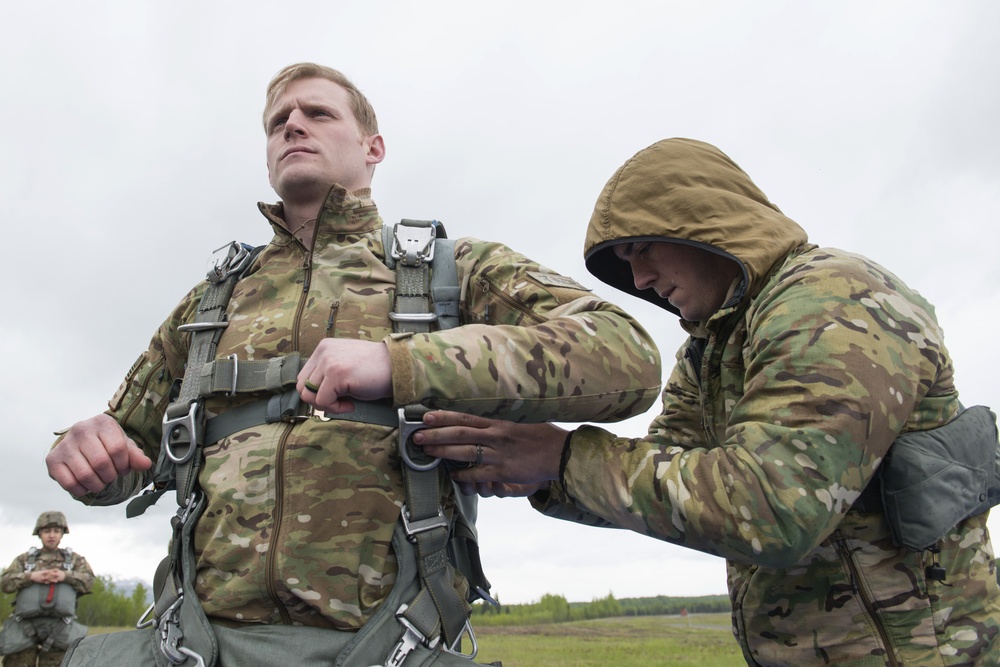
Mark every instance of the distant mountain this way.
pixel 128 586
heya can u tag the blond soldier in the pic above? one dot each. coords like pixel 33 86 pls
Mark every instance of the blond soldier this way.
pixel 811 375
pixel 296 541
pixel 47 582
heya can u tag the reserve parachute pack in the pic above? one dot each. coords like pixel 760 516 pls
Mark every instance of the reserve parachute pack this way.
pixel 423 617
pixel 932 480
pixel 54 600
pixel 44 614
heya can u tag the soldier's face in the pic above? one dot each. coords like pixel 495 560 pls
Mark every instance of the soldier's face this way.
pixel 694 281
pixel 314 141
pixel 51 536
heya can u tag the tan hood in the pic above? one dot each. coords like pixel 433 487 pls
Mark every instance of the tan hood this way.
pixel 687 191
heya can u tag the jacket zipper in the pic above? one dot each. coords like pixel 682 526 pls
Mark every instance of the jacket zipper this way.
pixel 487 288
pixel 848 557
pixel 279 459
pixel 332 319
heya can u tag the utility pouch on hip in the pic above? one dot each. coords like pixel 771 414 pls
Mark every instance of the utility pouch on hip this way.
pixel 932 480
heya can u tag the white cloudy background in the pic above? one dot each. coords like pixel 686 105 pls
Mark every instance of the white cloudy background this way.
pixel 131 146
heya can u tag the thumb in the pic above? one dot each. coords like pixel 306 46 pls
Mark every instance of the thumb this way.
pixel 137 459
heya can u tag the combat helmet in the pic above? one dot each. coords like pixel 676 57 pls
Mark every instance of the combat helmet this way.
pixel 49 519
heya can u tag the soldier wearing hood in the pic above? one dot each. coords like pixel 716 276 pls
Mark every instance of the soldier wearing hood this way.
pixel 802 367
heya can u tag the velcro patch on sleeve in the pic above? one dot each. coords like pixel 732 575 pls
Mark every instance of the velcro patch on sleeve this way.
pixel 556 280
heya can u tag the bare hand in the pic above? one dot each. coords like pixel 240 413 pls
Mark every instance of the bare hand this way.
pixel 93 454
pixel 341 369
pixel 512 459
pixel 47 576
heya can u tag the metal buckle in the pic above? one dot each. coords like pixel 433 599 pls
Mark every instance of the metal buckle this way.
pixel 407 427
pixel 412 637
pixel 236 372
pixel 312 413
pixel 202 326
pixel 188 421
pixel 171 635
pixel 467 630
pixel 147 620
pixel 227 260
pixel 412 528
pixel 418 244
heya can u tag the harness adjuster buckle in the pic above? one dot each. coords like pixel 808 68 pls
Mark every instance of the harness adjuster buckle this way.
pixel 415 527
pixel 414 242
pixel 230 259
pixel 412 637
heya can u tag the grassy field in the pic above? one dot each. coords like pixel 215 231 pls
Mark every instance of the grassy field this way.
pixel 700 639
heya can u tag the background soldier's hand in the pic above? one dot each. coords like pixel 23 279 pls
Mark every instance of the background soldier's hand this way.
pixel 509 459
pixel 47 576
pixel 341 369
pixel 92 454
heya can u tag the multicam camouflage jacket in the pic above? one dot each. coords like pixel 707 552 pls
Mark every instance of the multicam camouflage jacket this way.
pixel 300 515
pixel 79 576
pixel 775 418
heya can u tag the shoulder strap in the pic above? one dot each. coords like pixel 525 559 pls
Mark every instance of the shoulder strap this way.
pixel 178 466
pixel 427 288
pixel 29 564
pixel 67 558
pixel 427 294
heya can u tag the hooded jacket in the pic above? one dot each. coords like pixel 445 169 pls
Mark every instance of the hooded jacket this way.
pixel 776 416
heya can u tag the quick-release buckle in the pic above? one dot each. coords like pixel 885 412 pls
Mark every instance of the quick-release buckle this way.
pixel 172 434
pixel 227 260
pixel 407 427
pixel 415 243
pixel 412 637
pixel 171 635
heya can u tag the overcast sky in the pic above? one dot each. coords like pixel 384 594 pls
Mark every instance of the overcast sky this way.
pixel 131 147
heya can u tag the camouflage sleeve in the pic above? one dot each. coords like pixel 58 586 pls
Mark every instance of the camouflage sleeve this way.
pixel 837 361
pixel 13 578
pixel 142 398
pixel 81 577
pixel 535 346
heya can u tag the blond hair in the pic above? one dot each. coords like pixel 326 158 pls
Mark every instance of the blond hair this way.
pixel 364 114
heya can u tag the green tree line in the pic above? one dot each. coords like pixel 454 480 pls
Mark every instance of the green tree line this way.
pixel 555 609
pixel 105 605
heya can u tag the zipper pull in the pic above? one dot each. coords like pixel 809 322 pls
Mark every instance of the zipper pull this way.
pixel 486 290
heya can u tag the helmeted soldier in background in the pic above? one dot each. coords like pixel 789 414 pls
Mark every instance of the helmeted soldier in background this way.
pixel 47 582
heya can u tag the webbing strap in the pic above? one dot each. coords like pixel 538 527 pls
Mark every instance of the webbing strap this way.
pixel 437 608
pixel 183 437
pixel 287 407
pixel 234 376
pixel 427 287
